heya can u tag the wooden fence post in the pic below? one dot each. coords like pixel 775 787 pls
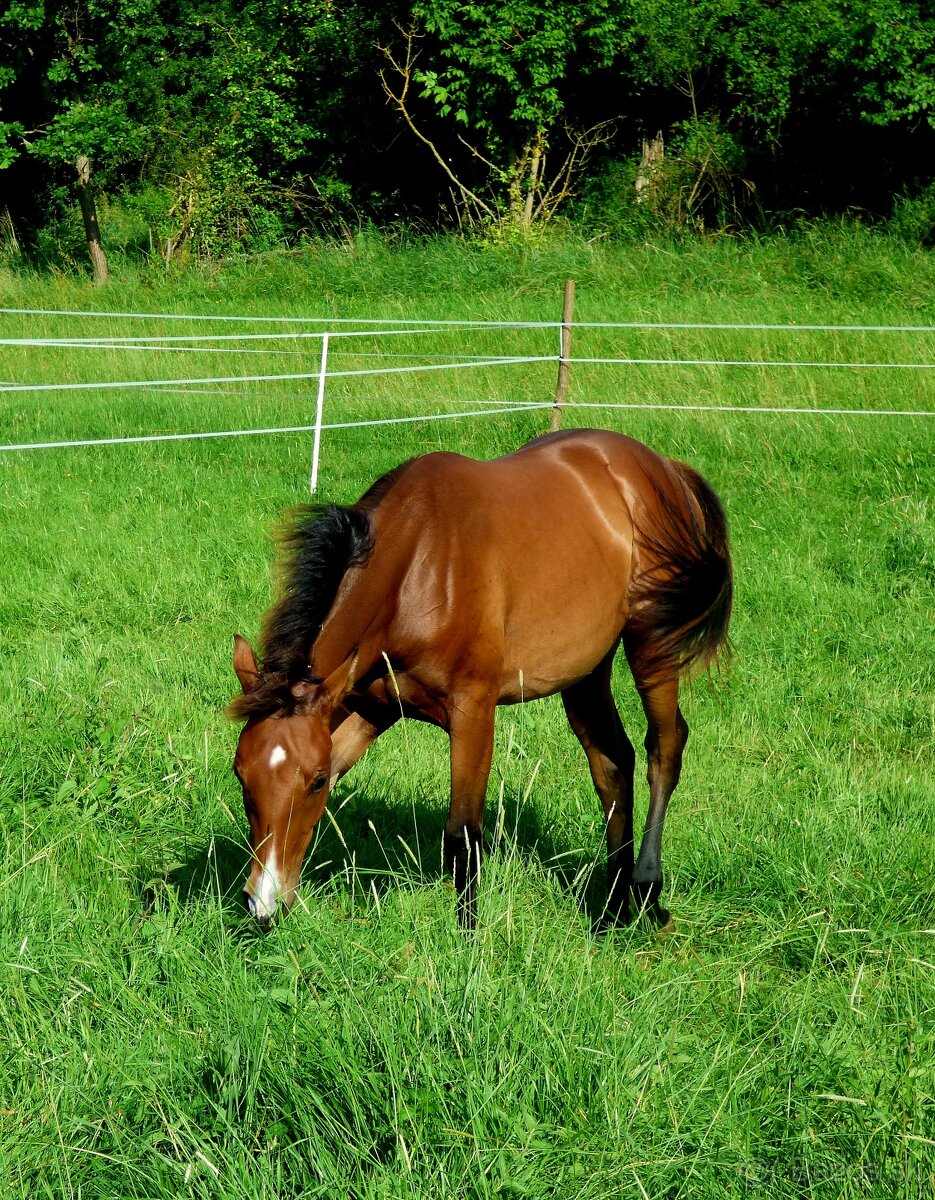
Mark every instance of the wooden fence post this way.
pixel 568 309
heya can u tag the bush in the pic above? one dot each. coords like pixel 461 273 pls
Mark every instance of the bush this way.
pixel 913 218
pixel 693 182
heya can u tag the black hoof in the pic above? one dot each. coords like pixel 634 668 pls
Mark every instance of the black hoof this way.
pixel 646 896
pixel 614 918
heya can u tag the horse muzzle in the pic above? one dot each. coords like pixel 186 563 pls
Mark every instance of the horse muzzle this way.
pixel 265 896
pixel 263 915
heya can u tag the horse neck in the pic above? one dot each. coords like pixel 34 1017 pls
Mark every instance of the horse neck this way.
pixel 355 626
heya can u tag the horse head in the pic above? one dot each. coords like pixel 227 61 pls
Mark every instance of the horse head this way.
pixel 283 763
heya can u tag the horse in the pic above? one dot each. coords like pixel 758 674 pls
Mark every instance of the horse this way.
pixel 453 586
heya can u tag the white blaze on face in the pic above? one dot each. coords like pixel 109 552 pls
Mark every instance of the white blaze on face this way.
pixel 277 757
pixel 265 899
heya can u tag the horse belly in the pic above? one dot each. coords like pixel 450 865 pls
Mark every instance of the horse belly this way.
pixel 559 628
pixel 525 580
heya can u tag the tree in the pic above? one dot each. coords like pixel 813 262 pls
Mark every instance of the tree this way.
pixel 243 124
pixel 495 82
pixel 240 115
pixel 80 111
pixel 898 41
pixel 728 77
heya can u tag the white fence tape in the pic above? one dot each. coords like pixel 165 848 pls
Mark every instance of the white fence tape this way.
pixel 390 327
pixel 138 439
pixel 394 322
pixel 749 362
pixel 135 343
pixel 756 408
pixel 143 384
pixel 399 322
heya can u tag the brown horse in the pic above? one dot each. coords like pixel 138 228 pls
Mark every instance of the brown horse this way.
pixel 453 586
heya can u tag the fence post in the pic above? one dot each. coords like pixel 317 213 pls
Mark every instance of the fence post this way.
pixel 564 358
pixel 319 412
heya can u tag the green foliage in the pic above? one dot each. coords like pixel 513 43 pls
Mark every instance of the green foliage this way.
pixel 607 203
pixel 105 132
pixel 913 217
pixel 504 70
pixel 758 57
pixel 899 62
pixel 500 83
pixel 192 99
pixel 697 185
pixel 95 72
pixel 516 106
pixel 11 134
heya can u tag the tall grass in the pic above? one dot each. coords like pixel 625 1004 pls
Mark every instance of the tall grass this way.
pixel 780 1042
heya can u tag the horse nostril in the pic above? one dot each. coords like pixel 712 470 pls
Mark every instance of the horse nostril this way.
pixel 263 919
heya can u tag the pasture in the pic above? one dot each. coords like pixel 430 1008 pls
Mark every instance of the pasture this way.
pixel 779 1042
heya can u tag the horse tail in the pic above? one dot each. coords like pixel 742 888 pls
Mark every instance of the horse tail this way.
pixel 681 601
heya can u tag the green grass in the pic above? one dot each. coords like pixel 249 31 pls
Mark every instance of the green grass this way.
pixel 781 1042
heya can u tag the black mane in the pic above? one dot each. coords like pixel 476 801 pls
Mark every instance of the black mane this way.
pixel 318 549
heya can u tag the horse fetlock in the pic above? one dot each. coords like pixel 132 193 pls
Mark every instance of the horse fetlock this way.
pixel 646 893
pixel 463 852
pixel 616 912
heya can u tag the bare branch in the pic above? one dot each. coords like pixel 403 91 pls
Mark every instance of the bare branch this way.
pixel 477 154
pixel 537 148
pixel 583 143
pixel 404 71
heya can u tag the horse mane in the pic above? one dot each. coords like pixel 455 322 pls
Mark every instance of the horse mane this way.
pixel 318 546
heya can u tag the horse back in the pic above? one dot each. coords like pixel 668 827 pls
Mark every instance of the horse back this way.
pixel 524 562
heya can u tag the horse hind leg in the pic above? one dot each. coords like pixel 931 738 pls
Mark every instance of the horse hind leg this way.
pixel 666 735
pixel 593 716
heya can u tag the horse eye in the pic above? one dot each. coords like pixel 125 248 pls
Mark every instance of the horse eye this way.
pixel 319 783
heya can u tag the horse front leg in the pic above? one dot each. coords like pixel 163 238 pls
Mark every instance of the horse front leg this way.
pixel 471 731
pixel 352 736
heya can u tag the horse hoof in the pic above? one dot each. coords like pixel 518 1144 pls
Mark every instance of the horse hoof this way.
pixel 666 924
pixel 613 919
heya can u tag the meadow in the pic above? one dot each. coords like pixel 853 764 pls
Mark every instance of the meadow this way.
pixel 779 1041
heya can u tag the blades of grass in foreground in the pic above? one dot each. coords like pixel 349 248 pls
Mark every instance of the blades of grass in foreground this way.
pixel 779 1042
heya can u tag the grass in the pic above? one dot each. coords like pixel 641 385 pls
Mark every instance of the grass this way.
pixel 780 1042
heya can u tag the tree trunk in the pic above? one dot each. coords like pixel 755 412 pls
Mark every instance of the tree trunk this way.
pixel 650 169
pixel 517 170
pixel 92 230
pixel 535 167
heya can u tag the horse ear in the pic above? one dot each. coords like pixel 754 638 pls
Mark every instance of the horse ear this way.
pixel 245 666
pixel 340 681
pixel 322 697
pixel 311 699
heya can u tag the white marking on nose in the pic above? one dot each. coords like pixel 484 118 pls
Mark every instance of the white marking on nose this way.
pixel 278 756
pixel 265 898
